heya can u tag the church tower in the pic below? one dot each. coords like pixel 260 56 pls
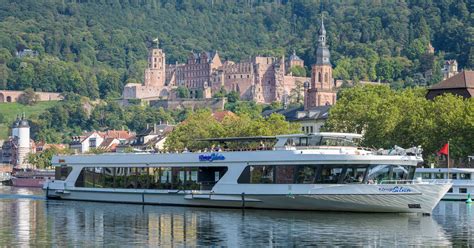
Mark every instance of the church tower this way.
pixel 321 90
pixel 155 73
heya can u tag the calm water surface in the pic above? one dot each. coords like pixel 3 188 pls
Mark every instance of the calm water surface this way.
pixel 27 219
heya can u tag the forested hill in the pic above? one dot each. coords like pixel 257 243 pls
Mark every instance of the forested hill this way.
pixel 94 47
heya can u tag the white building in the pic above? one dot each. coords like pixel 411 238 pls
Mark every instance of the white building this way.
pixel 16 149
pixel 99 140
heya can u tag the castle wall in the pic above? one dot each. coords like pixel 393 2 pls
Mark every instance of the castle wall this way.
pixel 137 91
pixel 213 104
pixel 13 96
pixel 239 78
pixel 264 79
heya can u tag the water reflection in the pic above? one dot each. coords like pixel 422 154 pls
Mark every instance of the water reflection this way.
pixel 37 222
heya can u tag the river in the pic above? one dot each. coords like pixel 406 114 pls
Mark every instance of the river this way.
pixel 28 219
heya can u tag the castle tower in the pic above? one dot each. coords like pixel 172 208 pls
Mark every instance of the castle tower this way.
pixel 321 90
pixel 23 143
pixel 295 61
pixel 155 73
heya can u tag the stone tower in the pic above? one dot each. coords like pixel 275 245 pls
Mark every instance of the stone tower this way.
pixel 21 134
pixel 155 73
pixel 320 91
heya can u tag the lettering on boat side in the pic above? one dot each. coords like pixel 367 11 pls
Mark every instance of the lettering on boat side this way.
pixel 211 157
pixel 396 189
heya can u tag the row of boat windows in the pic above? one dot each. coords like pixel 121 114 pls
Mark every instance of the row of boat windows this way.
pixel 180 178
pixel 324 174
pixel 320 141
pixel 204 178
pixel 440 175
pixel 460 191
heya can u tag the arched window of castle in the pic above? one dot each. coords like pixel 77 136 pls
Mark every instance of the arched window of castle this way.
pixel 320 77
pixel 326 78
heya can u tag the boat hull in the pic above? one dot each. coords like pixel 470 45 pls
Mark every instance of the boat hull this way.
pixel 28 182
pixel 423 200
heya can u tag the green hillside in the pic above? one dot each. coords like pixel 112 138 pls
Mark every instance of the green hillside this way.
pixel 9 111
pixel 94 47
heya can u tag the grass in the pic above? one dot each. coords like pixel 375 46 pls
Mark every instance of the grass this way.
pixel 9 111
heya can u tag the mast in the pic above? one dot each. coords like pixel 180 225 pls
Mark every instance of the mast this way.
pixel 448 160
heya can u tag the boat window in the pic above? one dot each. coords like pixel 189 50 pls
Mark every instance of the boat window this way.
pixel 305 174
pixel 183 178
pixel 262 174
pixel 80 179
pixel 303 141
pixel 284 174
pixel 337 141
pixel 400 172
pixel 109 174
pixel 290 142
pixel 143 178
pixel 98 177
pixel 62 172
pixel 379 173
pixel 464 176
pixel 425 175
pixel 89 177
pixel 463 190
pixel 329 174
pixel 439 175
pixel 244 176
pixel 450 190
pixel 453 176
pixel 354 175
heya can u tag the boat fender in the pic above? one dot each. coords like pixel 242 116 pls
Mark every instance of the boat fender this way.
pixel 469 200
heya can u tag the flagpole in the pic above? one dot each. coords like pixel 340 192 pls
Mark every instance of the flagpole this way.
pixel 448 159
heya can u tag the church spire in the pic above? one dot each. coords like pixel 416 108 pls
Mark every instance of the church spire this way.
pixel 322 32
pixel 322 52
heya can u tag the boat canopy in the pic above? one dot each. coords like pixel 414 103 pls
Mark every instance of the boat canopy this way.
pixel 288 141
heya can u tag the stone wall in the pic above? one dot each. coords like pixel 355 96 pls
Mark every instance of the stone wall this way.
pixel 215 104
pixel 13 96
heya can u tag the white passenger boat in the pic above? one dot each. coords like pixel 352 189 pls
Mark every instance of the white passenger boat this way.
pixel 462 179
pixel 322 171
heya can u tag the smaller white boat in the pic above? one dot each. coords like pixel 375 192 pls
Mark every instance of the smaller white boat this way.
pixel 4 177
pixel 462 179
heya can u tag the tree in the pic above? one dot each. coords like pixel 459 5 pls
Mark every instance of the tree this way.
pixel 29 97
pixel 42 160
pixel 197 126
pixel 297 93
pixel 201 125
pixel 182 92
pixel 298 71
pixel 405 118
pixel 233 96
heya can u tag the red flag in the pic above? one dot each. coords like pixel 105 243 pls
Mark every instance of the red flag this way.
pixel 444 150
